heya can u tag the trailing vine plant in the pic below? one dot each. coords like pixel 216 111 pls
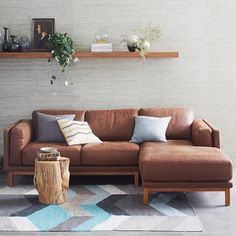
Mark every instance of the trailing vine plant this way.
pixel 62 50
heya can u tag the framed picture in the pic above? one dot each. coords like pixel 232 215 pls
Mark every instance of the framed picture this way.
pixel 41 29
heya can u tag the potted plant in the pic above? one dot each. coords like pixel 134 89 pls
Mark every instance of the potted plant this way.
pixel 131 42
pixel 62 50
pixel 140 42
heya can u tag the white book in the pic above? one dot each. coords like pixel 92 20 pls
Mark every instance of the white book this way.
pixel 102 46
pixel 101 50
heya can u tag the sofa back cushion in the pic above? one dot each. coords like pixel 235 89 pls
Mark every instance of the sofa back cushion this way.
pixel 180 124
pixel 79 115
pixel 112 125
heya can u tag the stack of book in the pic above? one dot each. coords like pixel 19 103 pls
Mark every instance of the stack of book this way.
pixel 101 47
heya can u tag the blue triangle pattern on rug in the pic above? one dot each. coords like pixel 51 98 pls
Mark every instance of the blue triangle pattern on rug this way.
pixel 97 208
pixel 49 217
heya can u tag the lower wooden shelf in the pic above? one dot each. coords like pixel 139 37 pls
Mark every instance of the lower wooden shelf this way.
pixel 117 54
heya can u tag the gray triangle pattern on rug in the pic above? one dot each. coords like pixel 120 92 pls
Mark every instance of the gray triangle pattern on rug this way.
pixel 97 208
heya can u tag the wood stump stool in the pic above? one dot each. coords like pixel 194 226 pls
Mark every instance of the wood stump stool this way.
pixel 51 179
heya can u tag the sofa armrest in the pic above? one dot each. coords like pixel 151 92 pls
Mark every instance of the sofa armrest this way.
pixel 201 134
pixel 215 134
pixel 6 143
pixel 16 137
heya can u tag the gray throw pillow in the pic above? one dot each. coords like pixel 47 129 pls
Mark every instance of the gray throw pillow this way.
pixel 48 129
pixel 150 129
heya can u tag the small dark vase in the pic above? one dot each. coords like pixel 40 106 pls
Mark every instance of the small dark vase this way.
pixel 131 48
pixel 6 45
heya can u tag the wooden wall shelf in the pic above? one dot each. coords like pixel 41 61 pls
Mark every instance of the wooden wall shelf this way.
pixel 117 54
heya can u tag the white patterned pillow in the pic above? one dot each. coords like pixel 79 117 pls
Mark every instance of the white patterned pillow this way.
pixel 77 132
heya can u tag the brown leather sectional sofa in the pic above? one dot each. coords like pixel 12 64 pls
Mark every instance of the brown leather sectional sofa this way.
pixel 191 160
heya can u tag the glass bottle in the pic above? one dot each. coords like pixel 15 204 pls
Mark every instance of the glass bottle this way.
pixel 25 43
pixel 6 45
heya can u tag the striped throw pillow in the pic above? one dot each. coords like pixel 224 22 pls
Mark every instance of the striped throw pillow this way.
pixel 77 132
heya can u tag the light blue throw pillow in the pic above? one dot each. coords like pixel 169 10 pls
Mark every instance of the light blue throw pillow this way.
pixel 48 129
pixel 150 129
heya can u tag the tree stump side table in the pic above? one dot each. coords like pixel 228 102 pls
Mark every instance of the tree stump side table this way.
pixel 51 179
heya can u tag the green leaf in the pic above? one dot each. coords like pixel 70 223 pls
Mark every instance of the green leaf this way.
pixel 63 49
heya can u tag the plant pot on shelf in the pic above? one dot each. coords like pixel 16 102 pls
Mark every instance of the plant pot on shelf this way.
pixel 131 48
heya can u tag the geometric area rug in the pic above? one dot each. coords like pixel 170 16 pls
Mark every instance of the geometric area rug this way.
pixel 96 208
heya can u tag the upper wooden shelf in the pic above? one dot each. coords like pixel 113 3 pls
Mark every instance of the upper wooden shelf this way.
pixel 117 54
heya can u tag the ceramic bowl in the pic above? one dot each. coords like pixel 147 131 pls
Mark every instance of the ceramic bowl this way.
pixel 48 149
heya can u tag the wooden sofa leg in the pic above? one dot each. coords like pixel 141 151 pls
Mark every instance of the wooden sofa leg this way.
pixel 145 196
pixel 10 179
pixel 227 196
pixel 136 179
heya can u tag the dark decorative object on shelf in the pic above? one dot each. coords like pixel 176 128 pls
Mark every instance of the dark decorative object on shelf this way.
pixel 15 46
pixel 12 46
pixel 6 44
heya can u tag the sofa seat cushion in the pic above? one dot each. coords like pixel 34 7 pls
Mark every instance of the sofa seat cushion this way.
pixel 179 160
pixel 110 154
pixel 29 153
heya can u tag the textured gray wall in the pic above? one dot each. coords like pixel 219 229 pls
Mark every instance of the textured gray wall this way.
pixel 203 78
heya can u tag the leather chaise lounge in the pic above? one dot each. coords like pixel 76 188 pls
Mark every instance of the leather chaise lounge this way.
pixel 191 159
